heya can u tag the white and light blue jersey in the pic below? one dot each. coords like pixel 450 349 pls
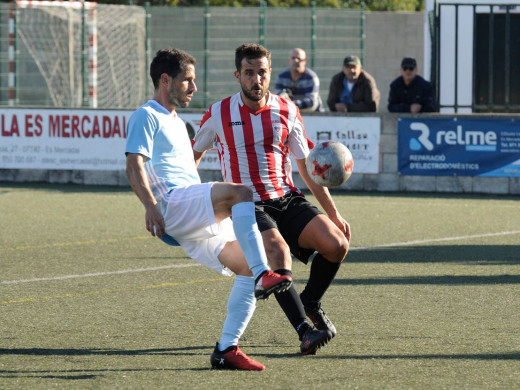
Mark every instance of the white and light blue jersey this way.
pixel 162 138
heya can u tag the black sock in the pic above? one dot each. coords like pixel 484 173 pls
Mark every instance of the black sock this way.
pixel 302 328
pixel 290 303
pixel 321 276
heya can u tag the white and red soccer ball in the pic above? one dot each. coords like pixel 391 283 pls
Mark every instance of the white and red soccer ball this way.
pixel 330 163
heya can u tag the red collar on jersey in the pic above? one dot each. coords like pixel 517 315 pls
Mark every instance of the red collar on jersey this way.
pixel 267 106
pixel 264 108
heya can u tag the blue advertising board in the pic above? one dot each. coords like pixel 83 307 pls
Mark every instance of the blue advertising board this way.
pixel 459 146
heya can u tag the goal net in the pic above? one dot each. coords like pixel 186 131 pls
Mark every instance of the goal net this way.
pixel 80 54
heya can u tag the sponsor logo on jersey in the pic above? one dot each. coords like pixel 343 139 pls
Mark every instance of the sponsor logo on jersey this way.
pixel 236 123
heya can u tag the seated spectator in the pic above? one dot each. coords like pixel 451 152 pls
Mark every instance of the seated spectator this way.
pixel 353 89
pixel 410 92
pixel 299 83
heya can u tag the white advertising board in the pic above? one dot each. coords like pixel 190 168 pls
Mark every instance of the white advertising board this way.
pixel 361 135
pixel 62 139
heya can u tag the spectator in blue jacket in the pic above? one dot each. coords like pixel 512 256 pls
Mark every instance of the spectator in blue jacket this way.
pixel 299 83
pixel 410 92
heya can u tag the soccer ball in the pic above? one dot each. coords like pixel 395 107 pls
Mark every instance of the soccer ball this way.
pixel 330 164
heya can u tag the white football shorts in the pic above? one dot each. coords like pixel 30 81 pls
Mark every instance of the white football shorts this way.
pixel 190 219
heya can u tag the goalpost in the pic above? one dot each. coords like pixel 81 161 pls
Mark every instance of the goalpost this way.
pixel 72 47
pixel 57 68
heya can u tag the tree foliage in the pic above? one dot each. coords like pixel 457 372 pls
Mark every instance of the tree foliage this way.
pixel 370 5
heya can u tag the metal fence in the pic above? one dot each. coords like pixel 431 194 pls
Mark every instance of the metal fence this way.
pixel 211 34
pixel 476 52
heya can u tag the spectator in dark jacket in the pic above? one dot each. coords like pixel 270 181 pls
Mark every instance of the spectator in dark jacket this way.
pixel 353 89
pixel 410 92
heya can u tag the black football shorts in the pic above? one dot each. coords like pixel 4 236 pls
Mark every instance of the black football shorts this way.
pixel 289 214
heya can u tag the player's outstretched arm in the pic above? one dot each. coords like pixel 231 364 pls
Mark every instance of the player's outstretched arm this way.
pixel 198 157
pixel 322 194
pixel 139 182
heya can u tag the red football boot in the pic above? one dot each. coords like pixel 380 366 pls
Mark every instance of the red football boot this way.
pixel 233 358
pixel 270 282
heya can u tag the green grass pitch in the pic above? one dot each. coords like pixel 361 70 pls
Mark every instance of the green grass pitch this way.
pixel 428 298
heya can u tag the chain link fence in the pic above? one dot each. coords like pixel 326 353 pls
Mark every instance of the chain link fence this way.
pixel 65 60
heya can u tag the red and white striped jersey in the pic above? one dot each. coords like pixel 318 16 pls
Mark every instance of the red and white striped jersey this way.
pixel 254 147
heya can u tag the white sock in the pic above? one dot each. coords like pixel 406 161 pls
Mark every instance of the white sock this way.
pixel 249 237
pixel 240 308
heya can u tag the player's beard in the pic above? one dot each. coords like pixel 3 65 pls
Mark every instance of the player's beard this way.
pixel 252 97
pixel 175 98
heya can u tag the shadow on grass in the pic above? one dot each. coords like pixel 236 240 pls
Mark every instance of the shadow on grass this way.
pixel 74 375
pixel 410 195
pixel 442 280
pixel 6 187
pixel 188 351
pixel 464 254
pixel 92 374
pixel 46 375
pixel 184 351
pixel 447 356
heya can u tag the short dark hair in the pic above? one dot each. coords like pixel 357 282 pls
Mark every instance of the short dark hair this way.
pixel 250 51
pixel 170 61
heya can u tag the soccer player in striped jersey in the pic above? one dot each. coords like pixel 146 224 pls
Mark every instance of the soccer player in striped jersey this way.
pixel 254 132
pixel 162 172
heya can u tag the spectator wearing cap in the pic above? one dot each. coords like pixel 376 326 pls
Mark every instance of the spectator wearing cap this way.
pixel 410 92
pixel 299 83
pixel 353 89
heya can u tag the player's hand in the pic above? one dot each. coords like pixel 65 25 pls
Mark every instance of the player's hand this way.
pixel 154 221
pixel 343 225
pixel 347 231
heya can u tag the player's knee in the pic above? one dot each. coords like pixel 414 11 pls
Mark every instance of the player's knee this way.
pixel 243 270
pixel 336 249
pixel 343 249
pixel 278 255
pixel 242 193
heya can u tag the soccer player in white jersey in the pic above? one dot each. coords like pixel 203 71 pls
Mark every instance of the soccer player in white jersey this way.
pixel 162 172
pixel 254 132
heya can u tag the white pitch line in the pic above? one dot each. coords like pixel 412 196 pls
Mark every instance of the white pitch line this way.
pixel 123 271
pixel 358 248
pixel 415 242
